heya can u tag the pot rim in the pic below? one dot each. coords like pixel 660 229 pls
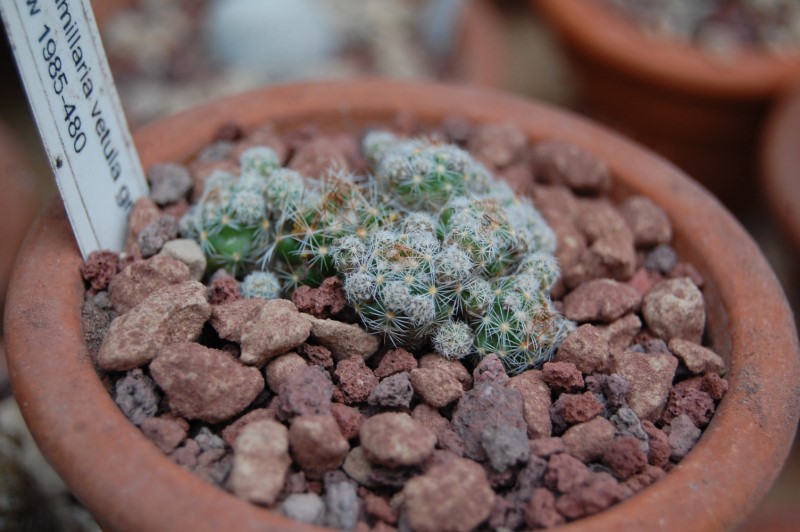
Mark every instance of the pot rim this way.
pixel 128 484
pixel 596 31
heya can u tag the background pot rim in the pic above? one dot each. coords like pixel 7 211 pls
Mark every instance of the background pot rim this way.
pixel 128 484
pixel 598 32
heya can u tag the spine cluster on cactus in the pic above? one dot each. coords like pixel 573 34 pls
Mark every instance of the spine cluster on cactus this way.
pixel 431 249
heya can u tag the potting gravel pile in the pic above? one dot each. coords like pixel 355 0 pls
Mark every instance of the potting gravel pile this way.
pixel 420 349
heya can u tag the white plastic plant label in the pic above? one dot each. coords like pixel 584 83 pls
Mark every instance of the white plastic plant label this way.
pixel 69 85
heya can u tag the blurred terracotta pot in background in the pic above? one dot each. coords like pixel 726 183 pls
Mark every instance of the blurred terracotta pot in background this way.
pixel 701 111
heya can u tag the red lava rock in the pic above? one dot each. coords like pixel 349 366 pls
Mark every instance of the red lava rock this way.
pixel 394 439
pixel 714 385
pixel 348 418
pixel 648 222
pixel 436 387
pixel 696 383
pixel 647 477
pixel 650 378
pixel 658 454
pixel 317 355
pixel 227 386
pixel 490 369
pixel 155 234
pixel 675 309
pixel 186 455
pixel 223 289
pixel 142 278
pixel 546 447
pixel 99 269
pixel 455 496
pixel 316 444
pixel 171 315
pixel 608 257
pixel 562 376
pixel 136 395
pixel 682 434
pixel 431 418
pixel 454 367
pixel 305 391
pixel 318 156
pixel 540 512
pixel 169 182
pixel 536 402
pixel 379 508
pixel 167 434
pixel 394 391
pixel 497 145
pixel 277 329
pixel 588 441
pixel 281 367
pixel 356 380
pixel 598 219
pixel 624 457
pixel 696 358
pixel 143 212
pixel 228 319
pixel 586 348
pixel 564 163
pixel 594 497
pixel 232 431
pixel 577 408
pixel 696 404
pixel 643 280
pixel 344 340
pixel 684 269
pixel 322 302
pixel 260 462
pixel 602 300
pixel 201 170
pixel 565 473
pixel 395 361
pixel 620 333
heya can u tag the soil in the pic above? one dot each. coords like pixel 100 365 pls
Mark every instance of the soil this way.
pixel 300 410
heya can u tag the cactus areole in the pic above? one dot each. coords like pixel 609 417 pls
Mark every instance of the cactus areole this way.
pixel 431 248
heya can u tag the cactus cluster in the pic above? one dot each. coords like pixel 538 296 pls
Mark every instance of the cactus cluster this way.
pixel 432 249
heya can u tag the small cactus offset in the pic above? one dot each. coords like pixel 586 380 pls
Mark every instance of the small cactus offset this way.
pixel 432 250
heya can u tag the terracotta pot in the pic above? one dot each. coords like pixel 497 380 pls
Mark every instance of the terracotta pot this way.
pixel 701 111
pixel 129 485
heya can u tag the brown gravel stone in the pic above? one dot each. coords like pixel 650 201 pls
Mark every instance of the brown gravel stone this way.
pixel 167 434
pixel 157 233
pixel 305 391
pixel 436 387
pixel 260 462
pixel 682 434
pixel 650 377
pixel 143 212
pixel 395 361
pixel 232 431
pixel 697 358
pixel 497 145
pixel 648 222
pixel 174 314
pixel 571 245
pixel 379 508
pixel 348 418
pixel 394 391
pixel 169 182
pixel 356 380
pixel 540 512
pixel 603 300
pixel 317 355
pixel 281 367
pixel 714 385
pixel 624 457
pixel 536 402
pixel 186 455
pixel 546 447
pixel 99 269
pixel 565 473
pixel 344 339
pixel 519 177
pixel 225 389
pixel 322 302
pixel 594 497
pixel 562 376
pixel 490 369
pixel 573 408
pixel 599 219
pixel 643 280
pixel 658 442
pixel 228 319
pixel 555 201
pixel 358 467
pixel 620 333
pixel 588 441
pixel 316 444
pixel 143 278
pixel 586 348
pixel 684 269
pixel 640 481
pixel 455 496
pixel 223 288
pixel 317 157
pixel 454 367
pixel 675 309
pixel 696 404
pixel 609 257
pixel 277 329
pixel 393 439
pixel 563 163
